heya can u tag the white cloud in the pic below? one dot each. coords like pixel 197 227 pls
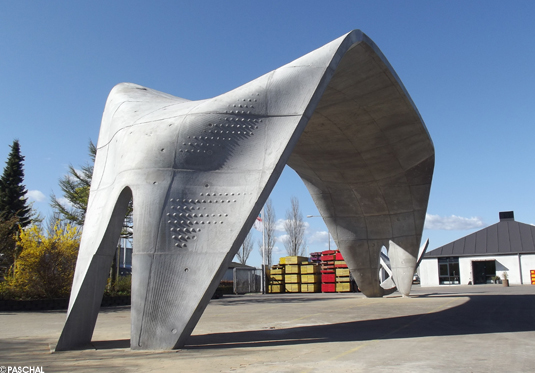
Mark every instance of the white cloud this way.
pixel 320 236
pixel 35 195
pixel 451 223
pixel 279 225
pixel 277 250
pixel 71 177
pixel 65 202
pixel 282 238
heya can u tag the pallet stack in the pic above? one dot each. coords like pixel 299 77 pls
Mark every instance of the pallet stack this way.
pixel 310 277
pixel 275 277
pixel 328 273
pixel 292 272
pixel 325 272
pixel 343 277
pixel 316 258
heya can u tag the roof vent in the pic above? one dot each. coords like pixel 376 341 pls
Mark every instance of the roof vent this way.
pixel 507 215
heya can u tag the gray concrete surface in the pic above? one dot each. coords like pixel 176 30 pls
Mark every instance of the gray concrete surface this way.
pixel 199 172
pixel 483 328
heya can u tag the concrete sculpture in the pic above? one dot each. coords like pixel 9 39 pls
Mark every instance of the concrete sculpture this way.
pixel 200 171
pixel 397 269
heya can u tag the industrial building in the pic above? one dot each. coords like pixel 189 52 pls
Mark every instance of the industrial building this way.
pixel 507 247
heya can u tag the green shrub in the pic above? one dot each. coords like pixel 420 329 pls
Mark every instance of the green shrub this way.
pixel 121 287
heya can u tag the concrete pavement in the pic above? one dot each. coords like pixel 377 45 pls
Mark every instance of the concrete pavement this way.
pixel 484 328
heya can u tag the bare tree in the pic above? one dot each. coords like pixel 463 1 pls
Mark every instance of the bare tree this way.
pixel 245 249
pixel 269 232
pixel 295 228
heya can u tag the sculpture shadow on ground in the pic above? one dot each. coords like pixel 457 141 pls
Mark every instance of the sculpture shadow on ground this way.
pixel 481 314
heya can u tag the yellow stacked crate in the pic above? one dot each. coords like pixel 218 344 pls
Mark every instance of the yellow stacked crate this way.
pixel 276 279
pixel 343 287
pixel 292 269
pixel 292 280
pixel 276 288
pixel 293 260
pixel 292 288
pixel 343 279
pixel 342 272
pixel 311 288
pixel 292 273
pixel 310 278
pixel 308 269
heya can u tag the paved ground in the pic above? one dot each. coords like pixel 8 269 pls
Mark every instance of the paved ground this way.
pixel 484 328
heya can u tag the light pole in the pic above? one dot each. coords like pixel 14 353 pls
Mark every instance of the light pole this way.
pixel 328 233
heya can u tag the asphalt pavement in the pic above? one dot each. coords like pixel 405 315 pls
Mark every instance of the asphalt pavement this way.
pixel 481 328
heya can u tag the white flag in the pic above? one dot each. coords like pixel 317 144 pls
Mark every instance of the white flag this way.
pixel 259 224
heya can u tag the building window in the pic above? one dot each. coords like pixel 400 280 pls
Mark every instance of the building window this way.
pixel 448 271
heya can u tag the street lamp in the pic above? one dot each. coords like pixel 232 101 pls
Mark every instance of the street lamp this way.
pixel 328 233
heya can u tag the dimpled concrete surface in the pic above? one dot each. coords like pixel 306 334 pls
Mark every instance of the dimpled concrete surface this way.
pixel 200 171
pixel 487 328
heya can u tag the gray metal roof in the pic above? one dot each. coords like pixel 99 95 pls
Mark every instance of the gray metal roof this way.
pixel 239 265
pixel 506 237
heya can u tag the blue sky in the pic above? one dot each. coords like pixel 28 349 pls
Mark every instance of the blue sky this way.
pixel 468 66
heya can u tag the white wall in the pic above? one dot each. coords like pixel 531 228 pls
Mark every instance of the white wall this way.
pixel 528 263
pixel 465 269
pixel 429 272
pixel 504 263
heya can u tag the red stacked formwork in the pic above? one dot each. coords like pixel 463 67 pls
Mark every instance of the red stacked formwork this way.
pixel 328 277
pixel 328 274
pixel 328 288
pixel 328 257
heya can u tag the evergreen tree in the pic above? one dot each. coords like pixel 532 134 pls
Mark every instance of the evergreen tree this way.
pixel 13 201
pixel 8 244
pixel 73 206
pixel 75 187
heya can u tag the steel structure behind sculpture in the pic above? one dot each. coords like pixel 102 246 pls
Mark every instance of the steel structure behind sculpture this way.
pixel 199 173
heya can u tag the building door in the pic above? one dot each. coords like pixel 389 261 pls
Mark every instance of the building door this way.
pixel 483 271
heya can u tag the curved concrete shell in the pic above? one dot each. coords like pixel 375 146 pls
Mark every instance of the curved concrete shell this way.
pixel 199 173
